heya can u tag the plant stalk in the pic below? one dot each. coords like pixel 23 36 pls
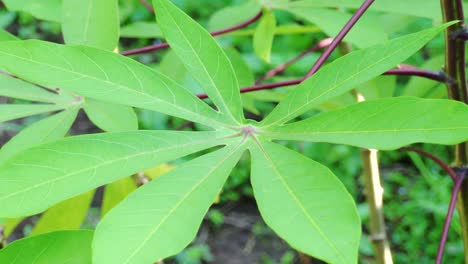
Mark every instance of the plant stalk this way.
pixel 457 90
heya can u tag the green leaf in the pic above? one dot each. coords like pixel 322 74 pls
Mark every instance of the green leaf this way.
pixel 105 76
pixel 141 29
pixel 67 215
pixel 43 9
pixel 16 88
pixel 115 192
pixel 422 87
pixel 264 35
pixel 347 72
pixel 305 204
pixel 91 22
pixel 111 117
pixel 5 35
pixel 10 225
pixel 71 247
pixel 234 15
pixel 421 8
pixel 43 131
pixel 40 177
pixel 365 33
pixel 162 217
pixel 14 111
pixel 384 124
pixel 203 58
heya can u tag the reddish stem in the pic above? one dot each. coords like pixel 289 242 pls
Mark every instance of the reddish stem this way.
pixel 453 201
pixel 214 33
pixel 337 40
pixel 147 5
pixel 441 163
pixel 322 44
pixel 409 70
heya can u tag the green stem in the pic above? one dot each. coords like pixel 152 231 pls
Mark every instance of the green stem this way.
pixel 457 90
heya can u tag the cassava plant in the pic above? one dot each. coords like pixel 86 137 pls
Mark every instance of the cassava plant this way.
pixel 299 198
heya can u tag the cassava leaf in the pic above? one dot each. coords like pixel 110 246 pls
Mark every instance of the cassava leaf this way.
pixel 15 88
pixel 347 72
pixel 203 58
pixel 305 204
pixel 384 124
pixel 105 76
pixel 141 29
pixel 40 177
pixel 234 15
pixel 264 35
pixel 91 22
pixel 43 131
pixel 162 217
pixel 71 247
pixel 5 35
pixel 364 34
pixel 42 9
pixel 14 111
pixel 67 215
pixel 111 117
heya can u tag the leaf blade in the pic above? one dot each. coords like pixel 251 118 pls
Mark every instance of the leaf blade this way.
pixel 111 117
pixel 346 72
pixel 183 198
pixel 203 58
pixel 264 35
pixel 326 223
pixel 384 124
pixel 42 176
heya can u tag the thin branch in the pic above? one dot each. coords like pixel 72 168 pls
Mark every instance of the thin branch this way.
pixel 453 201
pixel 147 5
pixel 322 44
pixel 408 70
pixel 337 40
pixel 214 33
pixel 440 162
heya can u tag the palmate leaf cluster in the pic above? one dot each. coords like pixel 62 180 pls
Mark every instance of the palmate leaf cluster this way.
pixel 300 199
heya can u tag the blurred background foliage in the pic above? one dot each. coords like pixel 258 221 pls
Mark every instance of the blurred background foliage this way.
pixel 417 191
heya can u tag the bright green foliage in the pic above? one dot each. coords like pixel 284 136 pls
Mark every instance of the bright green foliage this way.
pixel 203 58
pixel 115 192
pixel 364 34
pixel 299 198
pixel 10 225
pixel 53 172
pixel 303 202
pixel 111 117
pixel 346 72
pixel 75 209
pixel 5 35
pixel 264 35
pixel 43 131
pixel 141 30
pixel 43 9
pixel 14 111
pixel 16 88
pixel 234 15
pixel 422 8
pixel 91 22
pixel 104 76
pixel 163 216
pixel 384 124
pixel 71 247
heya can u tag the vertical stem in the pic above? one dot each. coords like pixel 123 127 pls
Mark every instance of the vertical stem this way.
pixel 373 192
pixel 457 90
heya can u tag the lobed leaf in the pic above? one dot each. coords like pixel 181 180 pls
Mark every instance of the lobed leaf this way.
pixel 203 58
pixel 347 72
pixel 384 124
pixel 71 247
pixel 105 76
pixel 43 131
pixel 305 204
pixel 40 177
pixel 162 217
pixel 14 111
